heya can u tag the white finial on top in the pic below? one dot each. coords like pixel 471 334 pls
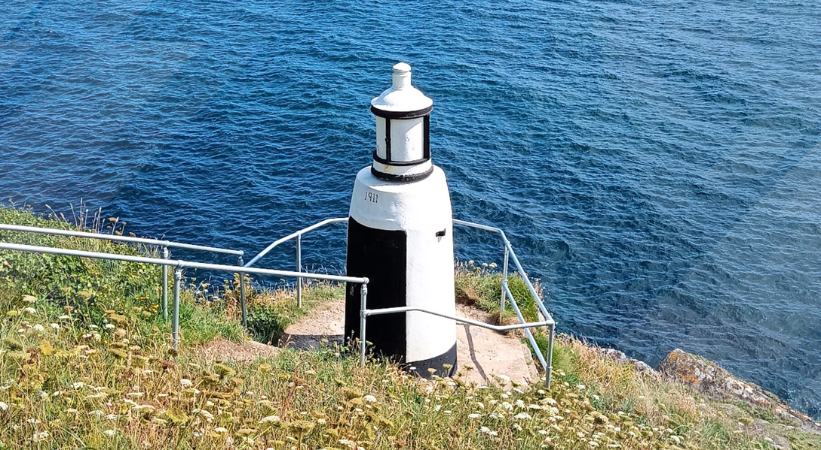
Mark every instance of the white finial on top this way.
pixel 401 75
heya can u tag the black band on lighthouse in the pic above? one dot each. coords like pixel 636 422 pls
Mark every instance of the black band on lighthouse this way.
pixel 382 160
pixel 401 178
pixel 401 114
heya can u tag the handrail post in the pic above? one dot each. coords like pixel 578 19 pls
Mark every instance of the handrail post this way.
pixel 504 282
pixel 363 309
pixel 242 303
pixel 164 302
pixel 299 269
pixel 175 322
pixel 551 332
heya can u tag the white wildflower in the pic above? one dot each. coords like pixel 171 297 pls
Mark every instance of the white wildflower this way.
pixel 522 416
pixel 220 430
pixel 40 436
pixel 270 419
pixel 110 433
pixel 4 406
pixel 29 310
pixel 185 382
pixel 369 398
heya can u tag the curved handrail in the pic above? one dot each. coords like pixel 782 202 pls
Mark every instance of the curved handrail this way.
pixel 509 250
pixel 293 235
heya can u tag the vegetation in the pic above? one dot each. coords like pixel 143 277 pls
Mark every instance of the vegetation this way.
pixel 84 363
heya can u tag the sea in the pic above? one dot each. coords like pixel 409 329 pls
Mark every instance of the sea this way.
pixel 655 164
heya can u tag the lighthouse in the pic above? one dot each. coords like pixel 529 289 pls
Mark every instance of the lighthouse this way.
pixel 400 236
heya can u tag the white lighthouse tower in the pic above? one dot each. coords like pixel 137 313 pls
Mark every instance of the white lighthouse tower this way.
pixel 400 236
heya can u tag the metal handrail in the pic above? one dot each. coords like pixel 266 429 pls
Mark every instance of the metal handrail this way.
pixel 293 235
pixel 114 237
pixel 179 265
pixel 162 244
pixel 509 255
pixel 241 268
pixel 298 235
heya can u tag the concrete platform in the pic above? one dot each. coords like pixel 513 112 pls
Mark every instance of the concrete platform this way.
pixel 484 356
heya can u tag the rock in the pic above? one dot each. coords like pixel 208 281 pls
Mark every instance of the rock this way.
pixel 641 366
pixel 710 378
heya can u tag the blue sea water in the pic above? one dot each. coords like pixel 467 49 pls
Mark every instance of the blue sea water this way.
pixel 656 164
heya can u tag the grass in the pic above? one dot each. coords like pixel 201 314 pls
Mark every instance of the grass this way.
pixel 84 363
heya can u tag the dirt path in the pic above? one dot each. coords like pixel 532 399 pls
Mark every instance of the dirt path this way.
pixel 483 355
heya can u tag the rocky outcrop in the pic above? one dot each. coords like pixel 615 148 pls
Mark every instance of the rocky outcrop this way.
pixel 710 378
pixel 641 366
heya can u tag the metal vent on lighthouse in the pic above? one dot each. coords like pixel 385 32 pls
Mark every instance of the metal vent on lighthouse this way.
pixel 402 116
pixel 400 236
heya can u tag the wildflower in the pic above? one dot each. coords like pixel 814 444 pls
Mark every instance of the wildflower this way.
pixel 369 398
pixel 208 416
pixel 110 433
pixel 186 383
pixel 4 406
pixel 109 326
pixel 40 436
pixel 54 326
pixel 474 416
pixel 522 416
pixel 64 317
pixel 507 406
pixel 29 310
pixel 220 430
pixel 488 431
pixel 270 419
pixel 78 385
pixel 29 298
